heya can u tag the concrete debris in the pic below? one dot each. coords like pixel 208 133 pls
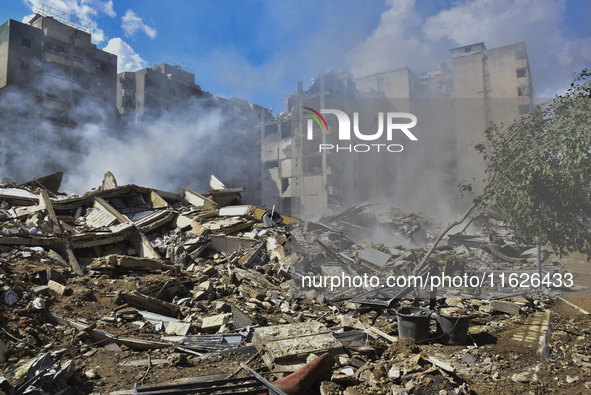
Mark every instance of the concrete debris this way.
pixel 127 286
pixel 505 307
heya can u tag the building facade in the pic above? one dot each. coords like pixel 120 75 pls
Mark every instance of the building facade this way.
pixel 150 92
pixel 52 79
pixel 57 66
pixel 453 108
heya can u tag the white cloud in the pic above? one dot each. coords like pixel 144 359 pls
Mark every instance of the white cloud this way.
pixel 27 18
pixel 397 42
pixel 131 23
pixel 405 38
pixel 127 58
pixel 86 10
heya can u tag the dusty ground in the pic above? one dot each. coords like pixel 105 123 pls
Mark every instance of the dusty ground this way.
pixel 495 365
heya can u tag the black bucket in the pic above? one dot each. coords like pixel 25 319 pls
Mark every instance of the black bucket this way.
pixel 413 322
pixel 453 323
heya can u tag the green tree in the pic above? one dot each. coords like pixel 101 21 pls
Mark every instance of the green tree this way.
pixel 538 172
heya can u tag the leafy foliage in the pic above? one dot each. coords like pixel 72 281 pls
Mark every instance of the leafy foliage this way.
pixel 539 171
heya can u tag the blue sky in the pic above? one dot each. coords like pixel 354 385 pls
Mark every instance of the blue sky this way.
pixel 258 50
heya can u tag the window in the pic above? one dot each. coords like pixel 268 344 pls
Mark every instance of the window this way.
pixel 25 66
pixel 25 42
pixel 521 72
pixel 104 67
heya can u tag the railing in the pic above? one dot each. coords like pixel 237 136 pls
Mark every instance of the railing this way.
pixel 63 17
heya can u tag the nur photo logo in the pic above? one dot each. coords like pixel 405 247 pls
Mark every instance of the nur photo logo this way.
pixel 393 123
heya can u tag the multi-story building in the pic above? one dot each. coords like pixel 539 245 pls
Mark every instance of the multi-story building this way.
pixel 453 108
pixel 297 177
pixel 489 85
pixel 56 78
pixel 150 92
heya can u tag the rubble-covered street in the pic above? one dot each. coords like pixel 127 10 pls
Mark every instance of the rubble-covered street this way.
pixel 127 289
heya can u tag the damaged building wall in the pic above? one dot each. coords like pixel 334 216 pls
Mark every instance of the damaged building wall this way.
pixel 453 107
pixel 151 91
pixel 50 69
pixel 59 92
pixel 490 85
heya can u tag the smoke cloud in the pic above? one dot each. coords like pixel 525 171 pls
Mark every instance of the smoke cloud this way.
pixel 181 147
pixel 413 38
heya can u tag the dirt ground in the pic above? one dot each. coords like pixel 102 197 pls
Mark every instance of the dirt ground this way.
pixel 492 362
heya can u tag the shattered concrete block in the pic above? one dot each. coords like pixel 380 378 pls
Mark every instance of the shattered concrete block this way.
pixel 216 321
pixel 183 222
pixel 223 307
pixel 57 287
pixel 207 286
pixel 40 290
pixel 198 294
pixel 375 257
pixel 282 346
pixel 178 328
pixel 505 307
pixel 209 270
pixel 240 319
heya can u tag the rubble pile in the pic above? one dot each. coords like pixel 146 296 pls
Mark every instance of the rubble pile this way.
pixel 126 289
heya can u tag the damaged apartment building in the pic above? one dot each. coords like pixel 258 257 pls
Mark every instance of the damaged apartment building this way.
pixel 149 93
pixel 50 69
pixel 453 108
pixel 153 90
pixel 53 79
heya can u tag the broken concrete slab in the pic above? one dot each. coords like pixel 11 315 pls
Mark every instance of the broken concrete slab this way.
pixel 215 322
pixel 198 200
pixel 56 287
pixel 149 303
pixel 178 328
pixel 124 262
pixel 282 346
pixel 375 257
